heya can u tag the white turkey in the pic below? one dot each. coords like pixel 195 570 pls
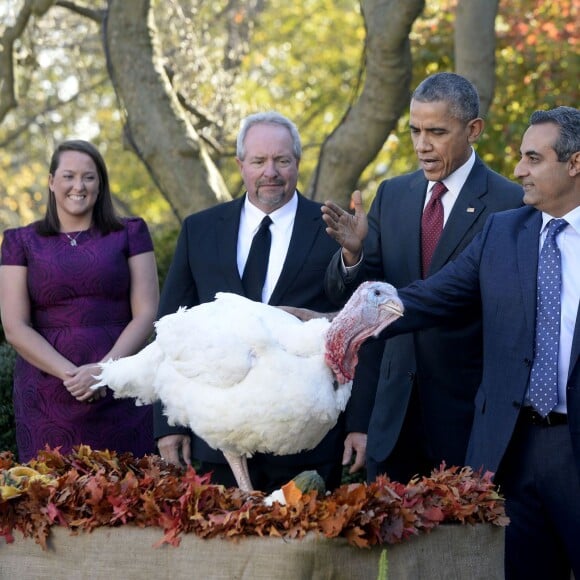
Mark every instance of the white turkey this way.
pixel 248 377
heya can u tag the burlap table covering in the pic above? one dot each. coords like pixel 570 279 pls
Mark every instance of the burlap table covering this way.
pixel 449 552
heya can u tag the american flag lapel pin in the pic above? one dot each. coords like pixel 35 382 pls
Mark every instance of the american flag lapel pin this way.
pixel 470 209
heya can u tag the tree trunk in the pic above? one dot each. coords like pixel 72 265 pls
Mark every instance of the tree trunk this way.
pixel 475 46
pixel 366 125
pixel 155 125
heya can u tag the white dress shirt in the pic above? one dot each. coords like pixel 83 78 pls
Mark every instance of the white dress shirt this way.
pixel 281 231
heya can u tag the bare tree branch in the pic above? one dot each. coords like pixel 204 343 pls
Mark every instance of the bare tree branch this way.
pixel 95 15
pixel 30 8
pixel 50 107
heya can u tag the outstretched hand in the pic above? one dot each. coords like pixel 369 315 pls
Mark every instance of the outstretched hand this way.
pixel 349 230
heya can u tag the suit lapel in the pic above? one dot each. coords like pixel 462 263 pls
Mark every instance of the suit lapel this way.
pixel 306 229
pixel 467 208
pixel 226 237
pixel 527 252
pixel 413 201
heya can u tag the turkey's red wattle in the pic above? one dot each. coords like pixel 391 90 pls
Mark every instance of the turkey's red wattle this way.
pixel 339 355
pixel 371 308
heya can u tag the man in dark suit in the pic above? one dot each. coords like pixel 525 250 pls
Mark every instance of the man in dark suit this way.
pixel 530 439
pixel 210 257
pixel 423 409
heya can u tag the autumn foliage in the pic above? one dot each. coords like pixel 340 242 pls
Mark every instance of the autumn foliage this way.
pixel 87 489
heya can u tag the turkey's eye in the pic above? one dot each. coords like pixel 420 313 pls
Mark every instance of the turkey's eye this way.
pixel 377 292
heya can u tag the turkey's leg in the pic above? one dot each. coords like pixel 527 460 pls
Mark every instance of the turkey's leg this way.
pixel 239 467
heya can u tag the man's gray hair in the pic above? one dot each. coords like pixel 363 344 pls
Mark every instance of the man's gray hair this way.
pixel 453 89
pixel 568 120
pixel 268 118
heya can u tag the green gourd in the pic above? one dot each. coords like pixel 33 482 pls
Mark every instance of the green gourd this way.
pixel 310 481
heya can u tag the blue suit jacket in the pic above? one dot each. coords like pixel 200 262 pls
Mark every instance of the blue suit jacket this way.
pixel 444 363
pixel 498 270
pixel 205 262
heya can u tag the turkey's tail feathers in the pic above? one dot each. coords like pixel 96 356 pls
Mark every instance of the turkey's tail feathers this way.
pixel 132 376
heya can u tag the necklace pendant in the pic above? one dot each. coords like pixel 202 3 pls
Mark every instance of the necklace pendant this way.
pixel 73 242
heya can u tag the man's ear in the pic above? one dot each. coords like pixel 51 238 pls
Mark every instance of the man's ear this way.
pixel 475 127
pixel 574 164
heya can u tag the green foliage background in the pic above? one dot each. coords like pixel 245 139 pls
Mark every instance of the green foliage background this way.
pixel 7 428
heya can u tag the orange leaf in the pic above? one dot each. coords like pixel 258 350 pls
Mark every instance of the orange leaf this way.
pixel 356 537
pixel 292 493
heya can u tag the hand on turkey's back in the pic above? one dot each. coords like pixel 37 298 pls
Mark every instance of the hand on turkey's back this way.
pixel 305 314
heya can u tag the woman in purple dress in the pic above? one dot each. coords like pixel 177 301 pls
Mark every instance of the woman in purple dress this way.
pixel 76 288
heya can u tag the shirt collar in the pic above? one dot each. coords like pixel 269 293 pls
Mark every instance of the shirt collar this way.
pixel 254 215
pixel 456 180
pixel 572 217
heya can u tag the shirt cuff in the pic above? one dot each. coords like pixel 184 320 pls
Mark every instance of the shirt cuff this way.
pixel 349 273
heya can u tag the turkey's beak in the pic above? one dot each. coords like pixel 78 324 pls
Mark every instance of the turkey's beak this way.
pixel 390 311
pixel 394 308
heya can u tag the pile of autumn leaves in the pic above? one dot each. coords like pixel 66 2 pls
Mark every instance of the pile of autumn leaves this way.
pixel 87 489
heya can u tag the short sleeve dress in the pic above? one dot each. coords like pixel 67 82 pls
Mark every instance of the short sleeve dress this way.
pixel 79 302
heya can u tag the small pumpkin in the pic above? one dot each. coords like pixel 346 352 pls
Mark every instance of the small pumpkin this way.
pixel 310 481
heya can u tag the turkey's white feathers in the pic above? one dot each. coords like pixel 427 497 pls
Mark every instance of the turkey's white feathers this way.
pixel 133 375
pixel 239 373
pixel 247 377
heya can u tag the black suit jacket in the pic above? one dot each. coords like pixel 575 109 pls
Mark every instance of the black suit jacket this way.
pixel 444 363
pixel 205 262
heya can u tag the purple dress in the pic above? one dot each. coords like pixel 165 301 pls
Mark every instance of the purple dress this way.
pixel 79 302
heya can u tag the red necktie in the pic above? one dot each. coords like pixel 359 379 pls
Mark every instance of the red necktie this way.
pixel 431 226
